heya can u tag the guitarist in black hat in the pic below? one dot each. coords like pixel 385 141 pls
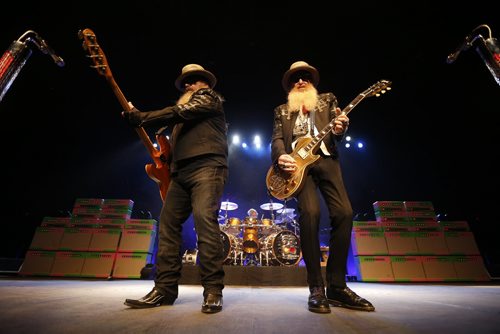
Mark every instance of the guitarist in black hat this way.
pixel 306 112
pixel 199 172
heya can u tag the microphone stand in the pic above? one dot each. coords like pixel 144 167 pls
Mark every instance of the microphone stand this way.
pixel 14 59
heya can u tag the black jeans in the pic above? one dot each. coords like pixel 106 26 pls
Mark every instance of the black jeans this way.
pixel 327 176
pixel 198 192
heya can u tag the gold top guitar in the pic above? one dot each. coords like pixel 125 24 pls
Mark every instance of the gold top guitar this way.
pixel 281 184
pixel 159 171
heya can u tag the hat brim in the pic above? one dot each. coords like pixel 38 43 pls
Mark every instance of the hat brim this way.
pixel 211 80
pixel 285 82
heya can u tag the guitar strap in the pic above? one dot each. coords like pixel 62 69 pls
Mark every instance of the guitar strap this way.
pixel 314 132
pixel 311 119
pixel 161 130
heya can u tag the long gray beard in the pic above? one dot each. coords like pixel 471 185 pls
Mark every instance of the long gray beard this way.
pixel 185 97
pixel 308 99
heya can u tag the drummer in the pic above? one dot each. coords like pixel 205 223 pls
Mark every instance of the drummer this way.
pixel 252 216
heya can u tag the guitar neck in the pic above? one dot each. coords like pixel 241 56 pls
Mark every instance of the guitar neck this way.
pixel 140 131
pixel 314 143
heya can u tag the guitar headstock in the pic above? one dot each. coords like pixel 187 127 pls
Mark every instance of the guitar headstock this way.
pixel 95 52
pixel 380 87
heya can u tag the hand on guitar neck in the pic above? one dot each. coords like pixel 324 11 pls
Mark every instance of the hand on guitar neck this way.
pixel 131 115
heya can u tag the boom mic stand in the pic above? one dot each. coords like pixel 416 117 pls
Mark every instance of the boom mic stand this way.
pixel 14 59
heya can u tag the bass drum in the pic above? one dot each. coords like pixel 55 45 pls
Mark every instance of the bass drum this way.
pixel 233 254
pixel 282 248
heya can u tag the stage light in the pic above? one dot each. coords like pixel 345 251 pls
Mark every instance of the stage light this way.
pixel 244 145
pixel 257 141
pixel 350 141
pixel 236 139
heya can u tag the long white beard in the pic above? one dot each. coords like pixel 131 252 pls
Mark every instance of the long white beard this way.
pixel 185 97
pixel 307 98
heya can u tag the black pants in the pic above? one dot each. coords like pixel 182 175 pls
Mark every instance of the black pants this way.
pixel 198 192
pixel 326 176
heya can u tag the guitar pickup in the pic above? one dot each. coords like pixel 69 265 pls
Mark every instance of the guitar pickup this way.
pixel 303 153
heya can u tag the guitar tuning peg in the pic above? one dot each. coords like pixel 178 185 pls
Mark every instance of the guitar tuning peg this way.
pixel 377 95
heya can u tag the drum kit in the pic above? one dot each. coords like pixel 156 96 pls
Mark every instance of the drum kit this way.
pixel 264 241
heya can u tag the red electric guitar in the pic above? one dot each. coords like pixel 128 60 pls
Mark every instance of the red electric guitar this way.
pixel 159 171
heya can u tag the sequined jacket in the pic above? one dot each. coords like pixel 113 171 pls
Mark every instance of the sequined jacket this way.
pixel 284 121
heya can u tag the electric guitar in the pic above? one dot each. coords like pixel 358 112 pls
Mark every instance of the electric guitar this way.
pixel 282 184
pixel 159 171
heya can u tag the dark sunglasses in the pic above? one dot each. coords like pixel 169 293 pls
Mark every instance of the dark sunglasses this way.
pixel 305 76
pixel 192 79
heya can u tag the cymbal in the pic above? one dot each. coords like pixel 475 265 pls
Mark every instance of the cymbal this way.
pixel 228 206
pixel 271 206
pixel 286 211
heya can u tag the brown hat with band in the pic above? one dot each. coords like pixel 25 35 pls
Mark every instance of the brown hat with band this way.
pixel 194 70
pixel 299 66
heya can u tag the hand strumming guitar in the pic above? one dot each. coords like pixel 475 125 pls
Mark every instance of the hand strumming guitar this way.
pixel 287 163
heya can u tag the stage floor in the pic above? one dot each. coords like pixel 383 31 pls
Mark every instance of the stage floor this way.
pixel 254 275
pixel 49 305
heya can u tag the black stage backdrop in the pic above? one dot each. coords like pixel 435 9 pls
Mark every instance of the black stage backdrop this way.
pixel 432 138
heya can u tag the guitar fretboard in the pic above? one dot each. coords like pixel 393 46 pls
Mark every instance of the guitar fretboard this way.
pixel 321 134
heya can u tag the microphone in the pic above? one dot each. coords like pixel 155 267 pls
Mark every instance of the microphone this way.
pixel 489 50
pixel 45 48
pixel 494 47
pixel 466 44
pixel 40 43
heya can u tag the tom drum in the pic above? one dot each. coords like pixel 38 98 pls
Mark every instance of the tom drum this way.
pixel 268 227
pixel 232 226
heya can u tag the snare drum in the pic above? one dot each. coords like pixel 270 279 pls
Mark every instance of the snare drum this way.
pixel 251 221
pixel 268 227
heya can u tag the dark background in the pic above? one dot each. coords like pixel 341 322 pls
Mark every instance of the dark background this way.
pixel 432 138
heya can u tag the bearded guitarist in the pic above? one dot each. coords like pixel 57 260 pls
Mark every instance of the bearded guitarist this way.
pixel 303 115
pixel 199 173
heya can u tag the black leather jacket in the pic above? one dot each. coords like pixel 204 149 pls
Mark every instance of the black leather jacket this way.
pixel 203 130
